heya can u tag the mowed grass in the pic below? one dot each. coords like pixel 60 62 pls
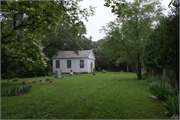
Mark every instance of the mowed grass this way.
pixel 84 96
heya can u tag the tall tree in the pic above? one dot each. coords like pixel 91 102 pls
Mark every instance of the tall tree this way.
pixel 165 43
pixel 23 22
pixel 33 30
pixel 135 22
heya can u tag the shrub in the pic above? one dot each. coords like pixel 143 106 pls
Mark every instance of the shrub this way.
pixel 145 75
pixel 160 90
pixel 149 80
pixel 172 105
pixel 49 73
pixel 15 80
pixel 47 79
pixel 77 73
pixel 25 88
pixel 12 90
pixel 104 71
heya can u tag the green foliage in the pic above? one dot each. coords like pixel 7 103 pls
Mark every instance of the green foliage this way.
pixel 13 90
pixel 160 89
pixel 47 79
pixel 161 50
pixel 162 47
pixel 10 91
pixel 63 76
pixel 77 73
pixel 145 75
pixel 126 36
pixel 104 71
pixel 15 80
pixel 25 88
pixel 149 79
pixel 21 71
pixel 23 23
pixel 172 105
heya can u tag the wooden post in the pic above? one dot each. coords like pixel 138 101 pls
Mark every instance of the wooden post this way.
pixel 157 75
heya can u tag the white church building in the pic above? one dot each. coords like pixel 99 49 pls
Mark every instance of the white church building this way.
pixel 84 62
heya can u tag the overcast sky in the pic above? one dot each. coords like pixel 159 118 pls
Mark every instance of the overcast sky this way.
pixel 102 16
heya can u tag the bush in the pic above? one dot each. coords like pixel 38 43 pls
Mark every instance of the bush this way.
pixel 160 90
pixel 15 79
pixel 77 73
pixel 104 71
pixel 149 80
pixel 63 76
pixel 47 79
pixel 25 88
pixel 12 90
pixel 145 75
pixel 172 105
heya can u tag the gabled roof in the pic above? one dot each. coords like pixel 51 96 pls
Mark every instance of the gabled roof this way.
pixel 71 54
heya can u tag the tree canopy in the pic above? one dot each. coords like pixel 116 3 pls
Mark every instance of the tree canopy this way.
pixel 126 36
pixel 23 22
pixel 162 48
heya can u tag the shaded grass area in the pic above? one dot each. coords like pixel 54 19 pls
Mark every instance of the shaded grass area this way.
pixel 105 96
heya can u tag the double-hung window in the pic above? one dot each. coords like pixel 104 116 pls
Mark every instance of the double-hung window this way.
pixel 68 63
pixel 81 63
pixel 57 63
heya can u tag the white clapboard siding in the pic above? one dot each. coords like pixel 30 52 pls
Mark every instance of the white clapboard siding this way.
pixel 75 64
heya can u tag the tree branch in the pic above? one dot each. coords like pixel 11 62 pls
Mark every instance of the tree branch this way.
pixel 25 26
pixel 9 56
pixel 47 47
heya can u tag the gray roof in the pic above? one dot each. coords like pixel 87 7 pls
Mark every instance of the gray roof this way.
pixel 71 54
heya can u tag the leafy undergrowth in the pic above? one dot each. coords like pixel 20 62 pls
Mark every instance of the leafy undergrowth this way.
pixel 105 96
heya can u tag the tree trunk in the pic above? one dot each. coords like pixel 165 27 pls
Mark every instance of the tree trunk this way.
pixel 127 68
pixel 139 68
pixel 99 68
pixel 176 79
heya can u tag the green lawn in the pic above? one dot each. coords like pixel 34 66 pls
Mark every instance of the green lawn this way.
pixel 105 96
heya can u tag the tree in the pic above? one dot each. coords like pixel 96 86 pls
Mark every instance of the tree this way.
pixel 32 31
pixel 23 22
pixel 165 43
pixel 135 22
